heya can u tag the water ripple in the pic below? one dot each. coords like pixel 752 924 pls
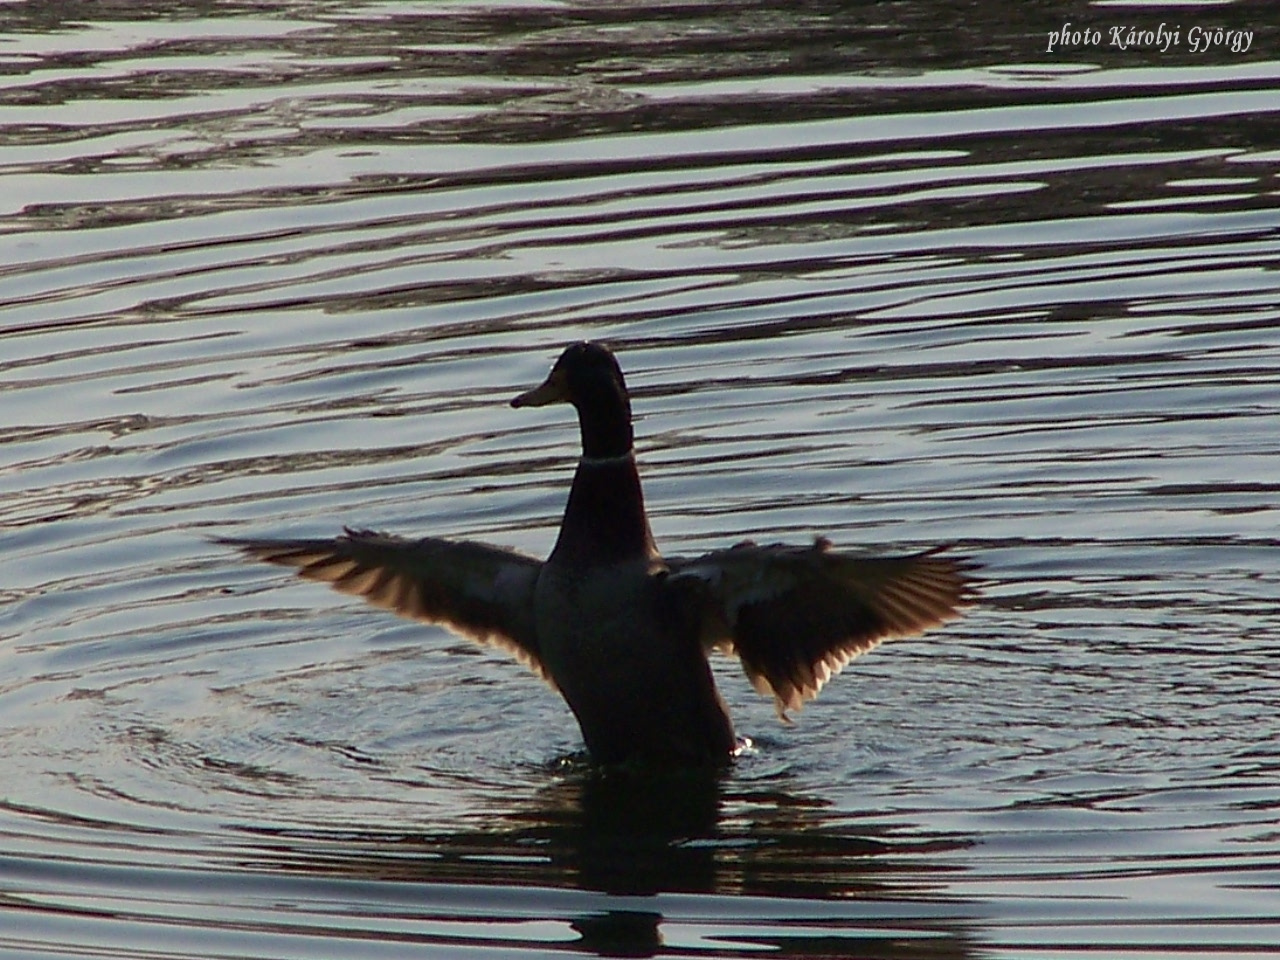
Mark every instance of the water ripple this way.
pixel 893 276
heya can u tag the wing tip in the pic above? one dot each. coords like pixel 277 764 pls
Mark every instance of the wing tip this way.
pixel 963 568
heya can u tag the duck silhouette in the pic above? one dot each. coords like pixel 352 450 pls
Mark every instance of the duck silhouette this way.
pixel 622 632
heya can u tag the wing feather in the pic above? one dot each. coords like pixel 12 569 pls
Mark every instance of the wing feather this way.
pixel 483 592
pixel 796 616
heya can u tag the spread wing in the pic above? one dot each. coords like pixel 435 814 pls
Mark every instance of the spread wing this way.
pixel 796 615
pixel 483 592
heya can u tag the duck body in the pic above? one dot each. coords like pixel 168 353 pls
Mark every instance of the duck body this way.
pixel 613 636
pixel 629 665
pixel 621 633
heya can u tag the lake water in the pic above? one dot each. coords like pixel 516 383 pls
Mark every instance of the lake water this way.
pixel 889 273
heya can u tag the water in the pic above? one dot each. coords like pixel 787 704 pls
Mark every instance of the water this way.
pixel 893 274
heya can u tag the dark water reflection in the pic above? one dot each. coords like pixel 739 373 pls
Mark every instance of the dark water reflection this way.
pixel 887 272
pixel 631 835
pixel 668 856
pixel 607 864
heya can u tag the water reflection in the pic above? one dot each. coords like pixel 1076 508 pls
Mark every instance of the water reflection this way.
pixel 645 839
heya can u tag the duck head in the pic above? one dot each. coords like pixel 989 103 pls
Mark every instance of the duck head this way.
pixel 588 376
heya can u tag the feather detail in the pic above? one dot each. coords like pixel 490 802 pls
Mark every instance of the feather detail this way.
pixel 483 592
pixel 796 616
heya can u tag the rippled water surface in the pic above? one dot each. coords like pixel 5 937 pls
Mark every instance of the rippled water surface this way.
pixel 889 273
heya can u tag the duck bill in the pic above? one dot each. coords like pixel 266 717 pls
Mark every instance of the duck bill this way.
pixel 551 390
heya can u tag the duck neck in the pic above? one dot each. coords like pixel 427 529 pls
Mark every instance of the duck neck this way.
pixel 604 520
pixel 605 424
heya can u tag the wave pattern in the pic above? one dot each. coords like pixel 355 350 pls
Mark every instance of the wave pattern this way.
pixel 275 268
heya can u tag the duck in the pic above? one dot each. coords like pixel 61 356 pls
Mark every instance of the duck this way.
pixel 622 633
